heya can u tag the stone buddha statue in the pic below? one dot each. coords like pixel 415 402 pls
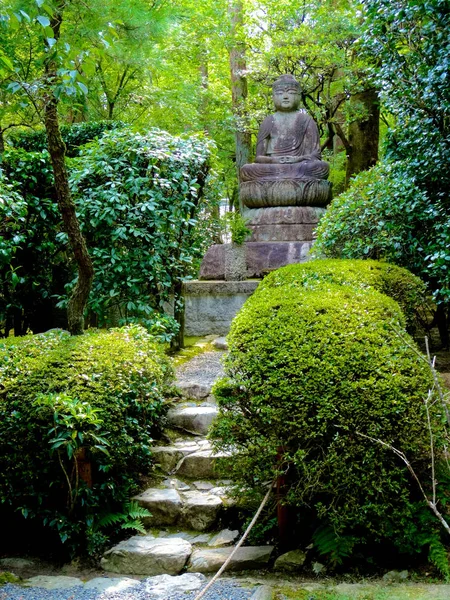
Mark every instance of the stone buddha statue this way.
pixel 288 170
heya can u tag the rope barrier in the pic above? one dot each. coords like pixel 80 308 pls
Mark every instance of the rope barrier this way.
pixel 238 545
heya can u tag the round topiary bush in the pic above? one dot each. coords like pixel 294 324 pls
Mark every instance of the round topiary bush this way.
pixel 66 402
pixel 396 282
pixel 309 370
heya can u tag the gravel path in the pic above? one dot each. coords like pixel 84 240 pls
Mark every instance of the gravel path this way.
pixel 221 590
pixel 204 369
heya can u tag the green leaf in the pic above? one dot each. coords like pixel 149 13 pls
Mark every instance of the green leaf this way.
pixel 43 20
pixel 83 88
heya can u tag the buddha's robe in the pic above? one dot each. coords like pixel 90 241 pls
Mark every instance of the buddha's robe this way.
pixel 275 139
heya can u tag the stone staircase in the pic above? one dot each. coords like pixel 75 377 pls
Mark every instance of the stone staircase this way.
pixel 189 505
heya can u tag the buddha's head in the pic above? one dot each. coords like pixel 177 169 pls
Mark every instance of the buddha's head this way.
pixel 286 93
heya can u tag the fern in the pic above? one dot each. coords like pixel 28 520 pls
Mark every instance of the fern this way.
pixel 438 556
pixel 129 518
pixel 332 545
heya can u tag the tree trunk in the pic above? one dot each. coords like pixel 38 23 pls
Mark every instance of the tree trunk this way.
pixel 238 67
pixel 177 341
pixel 363 134
pixel 57 150
pixel 2 141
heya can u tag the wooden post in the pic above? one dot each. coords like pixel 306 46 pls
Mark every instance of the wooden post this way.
pixel 285 514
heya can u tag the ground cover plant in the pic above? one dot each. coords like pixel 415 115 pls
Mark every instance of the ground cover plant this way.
pixel 313 368
pixel 67 401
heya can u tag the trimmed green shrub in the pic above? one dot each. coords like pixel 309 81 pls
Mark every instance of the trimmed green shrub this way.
pixel 397 283
pixel 308 371
pixel 385 215
pixel 100 394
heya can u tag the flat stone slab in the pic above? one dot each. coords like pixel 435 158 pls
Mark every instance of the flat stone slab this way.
pixel 167 457
pixel 17 563
pixel 193 537
pixel 53 582
pixel 194 419
pixel 290 561
pixel 164 504
pixel 198 465
pixel 163 586
pixel 226 537
pixel 176 484
pixel 221 343
pixel 146 555
pixel 263 592
pixel 193 390
pixel 200 510
pixel 111 585
pixel 196 377
pixel 205 560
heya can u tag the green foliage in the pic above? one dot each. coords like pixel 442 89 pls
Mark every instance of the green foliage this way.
pixel 384 214
pixel 30 220
pixel 130 517
pixel 396 282
pixel 235 223
pixel 410 42
pixel 74 136
pixel 145 213
pixel 6 577
pixel 100 393
pixel 309 369
pixel 438 556
pixel 146 207
pixel 334 547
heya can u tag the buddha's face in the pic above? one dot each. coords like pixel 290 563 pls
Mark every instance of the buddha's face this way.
pixel 286 98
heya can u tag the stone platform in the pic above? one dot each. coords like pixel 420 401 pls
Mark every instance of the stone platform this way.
pixel 283 223
pixel 262 257
pixel 212 305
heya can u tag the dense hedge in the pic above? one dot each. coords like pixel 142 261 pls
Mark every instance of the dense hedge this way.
pixel 309 369
pixel 103 392
pixel 397 283
pixel 146 207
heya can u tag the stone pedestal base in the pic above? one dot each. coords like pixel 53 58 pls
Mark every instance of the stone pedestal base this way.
pixel 210 306
pixel 261 257
pixel 283 224
pixel 285 192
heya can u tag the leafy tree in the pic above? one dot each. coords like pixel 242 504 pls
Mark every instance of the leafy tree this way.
pixel 54 81
pixel 403 205
pixel 411 42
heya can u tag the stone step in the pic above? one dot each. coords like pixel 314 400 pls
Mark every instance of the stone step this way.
pixel 211 539
pixel 188 458
pixel 193 509
pixel 147 555
pixel 193 419
pixel 196 377
pixel 209 560
pixel 150 555
pixel 194 390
